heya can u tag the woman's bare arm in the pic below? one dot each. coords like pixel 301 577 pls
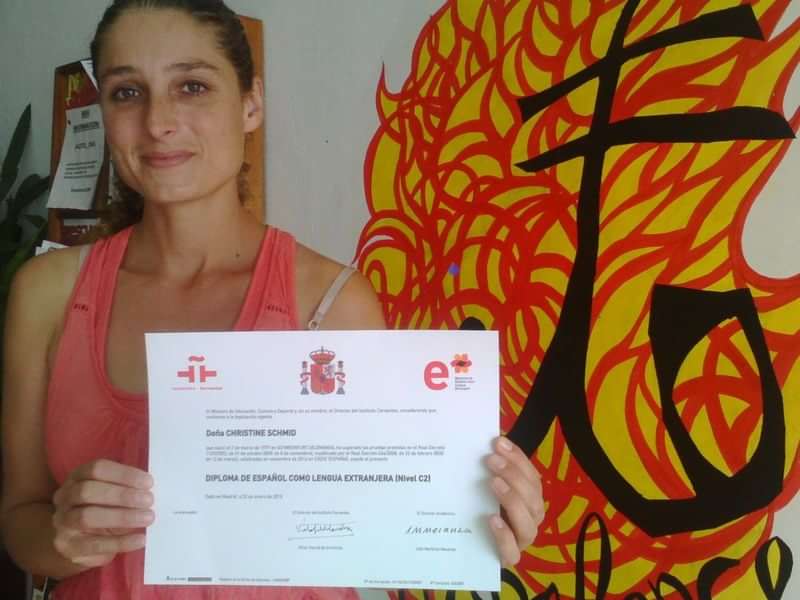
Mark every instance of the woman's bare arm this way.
pixel 35 306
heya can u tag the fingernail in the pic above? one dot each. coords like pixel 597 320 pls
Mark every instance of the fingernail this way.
pixel 500 486
pixel 497 462
pixel 139 540
pixel 497 522
pixel 504 444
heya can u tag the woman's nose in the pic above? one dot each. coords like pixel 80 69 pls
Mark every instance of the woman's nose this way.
pixel 161 116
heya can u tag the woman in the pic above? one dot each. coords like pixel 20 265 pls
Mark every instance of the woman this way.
pixel 178 97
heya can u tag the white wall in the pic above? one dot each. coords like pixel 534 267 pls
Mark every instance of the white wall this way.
pixel 323 61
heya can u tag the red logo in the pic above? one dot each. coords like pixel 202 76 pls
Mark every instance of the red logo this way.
pixel 437 375
pixel 197 372
pixel 324 376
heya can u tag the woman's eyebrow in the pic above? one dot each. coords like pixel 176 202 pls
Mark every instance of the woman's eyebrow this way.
pixel 182 66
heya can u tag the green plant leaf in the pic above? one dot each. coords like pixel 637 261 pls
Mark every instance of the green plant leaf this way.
pixel 37 221
pixel 20 256
pixel 29 190
pixel 10 169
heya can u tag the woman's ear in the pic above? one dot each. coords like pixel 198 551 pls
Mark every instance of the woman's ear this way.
pixel 253 105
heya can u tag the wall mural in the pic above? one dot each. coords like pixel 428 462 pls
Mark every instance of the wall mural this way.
pixel 577 175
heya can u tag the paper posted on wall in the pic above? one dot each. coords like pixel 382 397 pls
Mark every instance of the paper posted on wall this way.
pixel 81 160
pixel 47 246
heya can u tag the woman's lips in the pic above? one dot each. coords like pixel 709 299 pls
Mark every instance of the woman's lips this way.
pixel 164 160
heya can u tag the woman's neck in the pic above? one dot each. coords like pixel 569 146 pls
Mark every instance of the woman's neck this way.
pixel 183 241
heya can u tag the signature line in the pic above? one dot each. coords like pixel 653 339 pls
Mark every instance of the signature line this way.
pixel 320 537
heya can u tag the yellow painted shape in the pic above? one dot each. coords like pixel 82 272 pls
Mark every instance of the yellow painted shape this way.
pixel 484 165
pixel 447 33
pixel 703 437
pixel 625 222
pixel 574 513
pixel 546 327
pixel 618 263
pixel 521 331
pixel 732 408
pixel 782 319
pixel 509 71
pixel 719 254
pixel 761 79
pixel 468 107
pixel 502 117
pixel 709 155
pixel 604 30
pixel 579 12
pixel 619 314
pixel 514 20
pixel 626 71
pixel 545 40
pixel 467 277
pixel 489 33
pixel 647 26
pixel 624 575
pixel 755 437
pixel 568 174
pixel 458 144
pixel 626 185
pixel 608 423
pixel 545 451
pixel 552 11
pixel 672 106
pixel 479 312
pixel 382 181
pixel 689 571
pixel 582 99
pixel 468 11
pixel 722 214
pixel 675 154
pixel 456 183
pixel 575 62
pixel 394 262
pixel 676 214
pixel 716 76
pixel 493 268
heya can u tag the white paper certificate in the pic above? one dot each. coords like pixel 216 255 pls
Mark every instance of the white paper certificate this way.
pixel 346 459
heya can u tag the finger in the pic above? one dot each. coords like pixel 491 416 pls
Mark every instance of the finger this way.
pixel 113 472
pixel 80 493
pixel 511 452
pixel 529 490
pixel 518 517
pixel 505 541
pixel 88 518
pixel 85 549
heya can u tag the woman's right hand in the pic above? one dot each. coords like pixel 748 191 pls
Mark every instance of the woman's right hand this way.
pixel 101 511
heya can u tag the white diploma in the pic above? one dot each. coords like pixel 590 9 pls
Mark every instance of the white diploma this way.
pixel 344 459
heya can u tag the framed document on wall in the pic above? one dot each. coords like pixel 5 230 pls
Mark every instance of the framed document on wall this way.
pixel 74 88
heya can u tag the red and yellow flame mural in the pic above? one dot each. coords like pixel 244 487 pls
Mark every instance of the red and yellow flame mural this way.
pixel 459 229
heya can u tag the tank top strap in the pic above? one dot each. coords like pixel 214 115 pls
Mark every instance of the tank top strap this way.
pixel 92 278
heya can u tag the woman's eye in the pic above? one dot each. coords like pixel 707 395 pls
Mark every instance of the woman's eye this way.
pixel 195 88
pixel 122 94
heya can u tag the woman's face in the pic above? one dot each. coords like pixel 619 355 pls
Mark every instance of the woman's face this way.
pixel 174 113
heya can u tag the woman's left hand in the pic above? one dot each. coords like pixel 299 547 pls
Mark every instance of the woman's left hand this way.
pixel 518 486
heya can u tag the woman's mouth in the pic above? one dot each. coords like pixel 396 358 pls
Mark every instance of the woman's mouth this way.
pixel 164 160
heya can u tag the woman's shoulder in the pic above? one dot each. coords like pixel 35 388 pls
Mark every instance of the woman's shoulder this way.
pixel 43 284
pixel 356 305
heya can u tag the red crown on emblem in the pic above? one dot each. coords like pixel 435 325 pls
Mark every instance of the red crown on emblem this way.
pixel 322 356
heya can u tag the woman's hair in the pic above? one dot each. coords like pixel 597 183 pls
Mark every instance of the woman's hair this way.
pixel 232 41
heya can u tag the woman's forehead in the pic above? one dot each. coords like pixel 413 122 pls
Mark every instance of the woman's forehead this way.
pixel 157 39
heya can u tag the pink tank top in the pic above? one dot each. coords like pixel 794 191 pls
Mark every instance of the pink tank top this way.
pixel 87 418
